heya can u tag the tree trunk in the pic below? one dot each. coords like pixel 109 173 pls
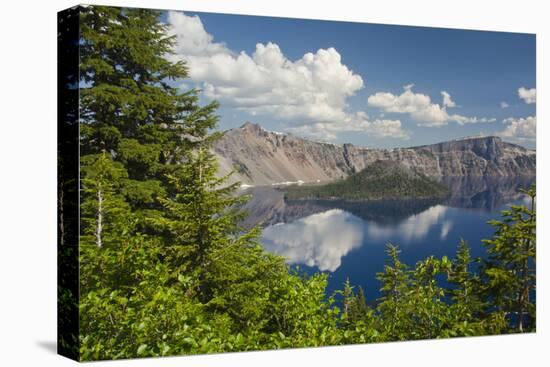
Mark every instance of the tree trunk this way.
pixel 99 226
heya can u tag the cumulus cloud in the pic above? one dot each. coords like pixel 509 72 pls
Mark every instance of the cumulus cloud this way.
pixel 319 240
pixel 520 129
pixel 310 94
pixel 421 108
pixel 529 96
pixel 503 104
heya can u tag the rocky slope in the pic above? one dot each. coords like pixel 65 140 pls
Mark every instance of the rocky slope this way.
pixel 261 157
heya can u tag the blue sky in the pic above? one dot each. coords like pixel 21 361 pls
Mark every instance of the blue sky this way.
pixel 367 84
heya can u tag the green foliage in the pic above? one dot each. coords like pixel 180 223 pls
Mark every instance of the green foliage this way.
pixel 357 322
pixel 509 273
pixel 165 268
pixel 394 306
pixel 379 180
pixel 301 314
pixel 465 311
pixel 129 107
pixel 135 305
pixel 105 215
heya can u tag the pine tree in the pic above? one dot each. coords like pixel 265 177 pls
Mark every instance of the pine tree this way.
pixel 461 275
pixel 130 107
pixel 137 133
pixel 394 307
pixel 200 225
pixel 105 213
pixel 355 308
pixel 509 272
pixel 466 306
pixel 429 309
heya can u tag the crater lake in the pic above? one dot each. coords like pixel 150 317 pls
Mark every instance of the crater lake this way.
pixel 347 239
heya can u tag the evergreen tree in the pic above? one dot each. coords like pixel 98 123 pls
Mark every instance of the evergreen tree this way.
pixel 355 308
pixel 137 130
pixel 105 213
pixel 463 278
pixel 129 105
pixel 106 221
pixel 394 307
pixel 509 272
pixel 427 299
pixel 466 305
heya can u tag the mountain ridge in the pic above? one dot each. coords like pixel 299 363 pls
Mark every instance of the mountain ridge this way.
pixel 262 157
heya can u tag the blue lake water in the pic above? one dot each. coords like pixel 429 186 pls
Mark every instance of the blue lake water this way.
pixel 347 240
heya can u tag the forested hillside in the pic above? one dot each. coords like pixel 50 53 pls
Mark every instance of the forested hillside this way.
pixel 165 268
pixel 379 180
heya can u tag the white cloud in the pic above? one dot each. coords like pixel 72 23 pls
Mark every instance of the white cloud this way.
pixel 421 108
pixel 461 120
pixel 319 240
pixel 503 104
pixel 520 129
pixel 447 101
pixel 309 94
pixel 529 96
pixel 358 122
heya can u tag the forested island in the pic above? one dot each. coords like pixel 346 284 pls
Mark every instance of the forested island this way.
pixel 166 269
pixel 381 180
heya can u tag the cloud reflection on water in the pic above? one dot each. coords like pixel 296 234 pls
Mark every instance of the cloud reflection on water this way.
pixel 445 229
pixel 323 239
pixel 319 240
pixel 414 227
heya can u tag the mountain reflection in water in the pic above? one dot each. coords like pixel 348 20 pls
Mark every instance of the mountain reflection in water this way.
pixel 347 239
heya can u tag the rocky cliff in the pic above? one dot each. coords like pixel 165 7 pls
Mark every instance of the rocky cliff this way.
pixel 261 157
